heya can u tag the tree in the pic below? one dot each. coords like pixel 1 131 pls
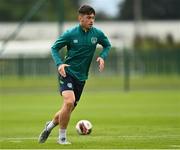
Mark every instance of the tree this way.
pixel 15 10
pixel 151 10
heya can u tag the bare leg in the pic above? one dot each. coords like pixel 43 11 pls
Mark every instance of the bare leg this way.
pixel 62 116
pixel 56 118
pixel 65 112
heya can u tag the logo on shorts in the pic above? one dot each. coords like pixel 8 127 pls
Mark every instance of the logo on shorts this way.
pixel 94 40
pixel 69 85
pixel 61 82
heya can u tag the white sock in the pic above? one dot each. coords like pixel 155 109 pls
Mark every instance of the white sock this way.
pixel 50 126
pixel 62 134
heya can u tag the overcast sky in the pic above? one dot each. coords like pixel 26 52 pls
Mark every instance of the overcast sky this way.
pixel 110 7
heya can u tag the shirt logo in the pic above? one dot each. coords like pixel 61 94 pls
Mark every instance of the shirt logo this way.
pixel 75 41
pixel 94 40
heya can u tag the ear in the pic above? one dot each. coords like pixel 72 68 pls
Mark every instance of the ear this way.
pixel 79 18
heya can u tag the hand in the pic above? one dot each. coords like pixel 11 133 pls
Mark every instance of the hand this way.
pixel 101 63
pixel 61 69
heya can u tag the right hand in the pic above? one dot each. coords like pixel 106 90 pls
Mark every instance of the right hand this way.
pixel 61 69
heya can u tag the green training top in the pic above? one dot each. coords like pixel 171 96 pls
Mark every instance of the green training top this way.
pixel 81 46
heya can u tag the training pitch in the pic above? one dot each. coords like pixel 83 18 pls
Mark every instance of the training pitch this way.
pixel 139 119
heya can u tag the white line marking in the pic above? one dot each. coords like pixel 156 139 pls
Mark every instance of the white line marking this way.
pixel 16 141
pixel 121 136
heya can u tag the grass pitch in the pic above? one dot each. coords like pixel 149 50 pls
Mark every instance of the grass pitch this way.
pixel 136 119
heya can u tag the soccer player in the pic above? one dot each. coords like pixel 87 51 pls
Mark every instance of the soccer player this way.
pixel 73 71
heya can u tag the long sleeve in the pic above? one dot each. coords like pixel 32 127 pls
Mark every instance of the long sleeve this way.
pixel 62 41
pixel 103 40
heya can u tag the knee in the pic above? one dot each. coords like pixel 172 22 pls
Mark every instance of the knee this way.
pixel 69 104
pixel 69 100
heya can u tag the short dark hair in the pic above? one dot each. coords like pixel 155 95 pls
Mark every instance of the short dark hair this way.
pixel 86 10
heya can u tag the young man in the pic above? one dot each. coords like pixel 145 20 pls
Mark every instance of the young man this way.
pixel 81 43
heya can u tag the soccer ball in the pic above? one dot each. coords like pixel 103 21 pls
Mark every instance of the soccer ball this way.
pixel 84 127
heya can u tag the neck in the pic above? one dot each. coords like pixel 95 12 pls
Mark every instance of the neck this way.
pixel 84 29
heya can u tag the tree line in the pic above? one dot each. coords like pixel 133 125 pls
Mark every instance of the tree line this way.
pixel 150 9
pixel 52 10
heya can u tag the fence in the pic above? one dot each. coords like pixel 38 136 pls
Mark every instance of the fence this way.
pixel 118 62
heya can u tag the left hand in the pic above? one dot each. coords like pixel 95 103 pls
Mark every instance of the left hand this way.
pixel 101 63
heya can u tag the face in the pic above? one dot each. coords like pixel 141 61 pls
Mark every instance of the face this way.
pixel 86 21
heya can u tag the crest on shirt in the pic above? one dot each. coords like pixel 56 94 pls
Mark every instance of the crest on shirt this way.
pixel 75 41
pixel 94 40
